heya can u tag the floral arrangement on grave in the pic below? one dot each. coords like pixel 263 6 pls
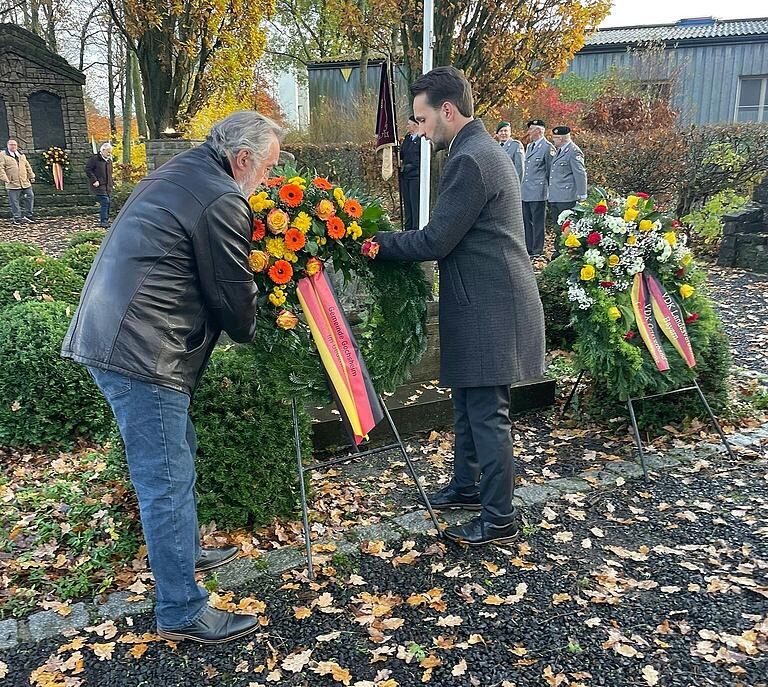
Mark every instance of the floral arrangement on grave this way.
pixel 305 227
pixel 54 166
pixel 635 294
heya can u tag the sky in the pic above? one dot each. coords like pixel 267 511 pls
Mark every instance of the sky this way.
pixel 632 12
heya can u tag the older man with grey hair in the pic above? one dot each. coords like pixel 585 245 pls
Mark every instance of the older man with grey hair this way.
pixel 98 169
pixel 171 274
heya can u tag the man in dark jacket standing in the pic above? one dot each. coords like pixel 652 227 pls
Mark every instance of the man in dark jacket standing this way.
pixel 491 318
pixel 171 274
pixel 98 169
pixel 410 161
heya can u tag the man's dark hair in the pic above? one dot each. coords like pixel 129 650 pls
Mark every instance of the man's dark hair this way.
pixel 413 119
pixel 445 84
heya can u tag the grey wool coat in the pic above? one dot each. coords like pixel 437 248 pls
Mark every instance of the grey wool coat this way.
pixel 491 319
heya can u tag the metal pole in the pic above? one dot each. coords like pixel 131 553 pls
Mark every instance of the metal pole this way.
pixel 426 152
pixel 638 440
pixel 567 403
pixel 304 511
pixel 714 420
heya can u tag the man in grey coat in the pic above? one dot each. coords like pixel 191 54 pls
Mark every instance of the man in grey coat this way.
pixel 568 177
pixel 538 162
pixel 511 146
pixel 491 319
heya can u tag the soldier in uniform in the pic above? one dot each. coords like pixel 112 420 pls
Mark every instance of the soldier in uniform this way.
pixel 410 169
pixel 538 162
pixel 512 147
pixel 568 178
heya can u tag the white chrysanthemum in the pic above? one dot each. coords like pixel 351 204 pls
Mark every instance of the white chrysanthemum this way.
pixel 635 266
pixel 578 295
pixel 664 250
pixel 616 224
pixel 564 215
pixel 594 257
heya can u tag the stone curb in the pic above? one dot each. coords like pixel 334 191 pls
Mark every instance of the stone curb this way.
pixel 242 571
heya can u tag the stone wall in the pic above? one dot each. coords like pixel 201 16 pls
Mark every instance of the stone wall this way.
pixel 160 150
pixel 745 234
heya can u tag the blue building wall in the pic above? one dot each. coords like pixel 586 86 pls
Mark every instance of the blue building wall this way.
pixel 707 85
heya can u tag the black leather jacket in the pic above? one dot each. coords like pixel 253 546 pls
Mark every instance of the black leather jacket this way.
pixel 171 274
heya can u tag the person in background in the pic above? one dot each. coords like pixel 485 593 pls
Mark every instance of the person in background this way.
pixel 98 169
pixel 538 162
pixel 410 168
pixel 18 177
pixel 511 146
pixel 568 178
pixel 491 318
pixel 171 274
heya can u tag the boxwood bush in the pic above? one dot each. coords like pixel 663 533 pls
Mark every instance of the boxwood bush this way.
pixel 38 278
pixel 79 257
pixel 44 399
pixel 10 250
pixel 90 236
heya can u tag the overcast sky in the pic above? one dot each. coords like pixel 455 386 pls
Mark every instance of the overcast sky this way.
pixel 632 12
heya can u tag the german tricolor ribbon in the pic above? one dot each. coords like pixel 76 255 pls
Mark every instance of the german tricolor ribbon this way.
pixel 348 377
pixel 655 312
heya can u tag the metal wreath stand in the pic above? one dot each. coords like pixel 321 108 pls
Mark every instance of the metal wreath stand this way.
pixel 636 431
pixel 355 453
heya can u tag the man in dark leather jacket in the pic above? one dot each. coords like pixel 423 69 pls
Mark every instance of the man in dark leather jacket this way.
pixel 171 274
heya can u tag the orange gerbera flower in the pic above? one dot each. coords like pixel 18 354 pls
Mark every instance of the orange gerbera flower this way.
pixel 336 228
pixel 294 239
pixel 322 183
pixel 275 181
pixel 258 230
pixel 281 272
pixel 353 208
pixel 291 195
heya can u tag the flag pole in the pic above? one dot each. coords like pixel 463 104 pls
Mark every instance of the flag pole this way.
pixel 397 140
pixel 426 66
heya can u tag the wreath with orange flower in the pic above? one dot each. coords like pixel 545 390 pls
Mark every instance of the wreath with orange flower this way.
pixel 302 224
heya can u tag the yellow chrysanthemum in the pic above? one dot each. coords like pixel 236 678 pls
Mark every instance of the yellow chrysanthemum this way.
pixel 631 239
pixel 354 230
pixel 299 181
pixel 338 194
pixel 587 272
pixel 645 225
pixel 632 201
pixel 321 241
pixel 686 290
pixel 276 247
pixel 276 300
pixel 630 214
pixel 687 259
pixel 571 241
pixel 290 256
pixel 261 202
pixel 302 222
pixel 671 238
pixel 613 260
pixel 614 313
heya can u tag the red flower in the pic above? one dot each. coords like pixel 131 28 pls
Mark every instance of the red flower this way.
pixel 594 238
pixel 565 226
pixel 680 272
pixel 629 335
pixel 258 230
pixel 600 209
pixel 692 318
pixel 606 284
pixel 644 196
pixel 676 224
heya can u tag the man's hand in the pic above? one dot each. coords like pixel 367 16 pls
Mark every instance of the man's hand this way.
pixel 370 248
pixel 96 183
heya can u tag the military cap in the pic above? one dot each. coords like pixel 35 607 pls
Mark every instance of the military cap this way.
pixel 536 122
pixel 561 130
pixel 501 125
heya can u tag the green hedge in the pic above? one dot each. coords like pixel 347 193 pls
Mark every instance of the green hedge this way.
pixel 91 236
pixel 79 258
pixel 44 399
pixel 10 250
pixel 38 278
pixel 554 297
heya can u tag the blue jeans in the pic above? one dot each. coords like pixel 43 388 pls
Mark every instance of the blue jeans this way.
pixel 104 202
pixel 160 445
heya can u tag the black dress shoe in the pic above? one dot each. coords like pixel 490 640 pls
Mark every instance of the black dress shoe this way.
pixel 213 627
pixel 213 558
pixel 477 532
pixel 449 497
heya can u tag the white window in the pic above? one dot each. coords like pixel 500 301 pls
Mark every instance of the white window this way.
pixel 753 99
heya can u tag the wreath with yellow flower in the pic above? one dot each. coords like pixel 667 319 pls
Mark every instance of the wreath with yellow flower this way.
pixel 49 157
pixel 605 241
pixel 302 224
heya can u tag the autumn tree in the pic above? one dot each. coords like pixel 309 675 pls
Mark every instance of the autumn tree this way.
pixel 190 51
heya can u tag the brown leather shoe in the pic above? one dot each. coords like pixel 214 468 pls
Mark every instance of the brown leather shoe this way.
pixel 213 558
pixel 213 627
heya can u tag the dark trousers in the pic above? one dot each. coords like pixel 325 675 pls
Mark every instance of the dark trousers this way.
pixel 554 210
pixel 104 202
pixel 21 201
pixel 409 189
pixel 483 449
pixel 534 212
